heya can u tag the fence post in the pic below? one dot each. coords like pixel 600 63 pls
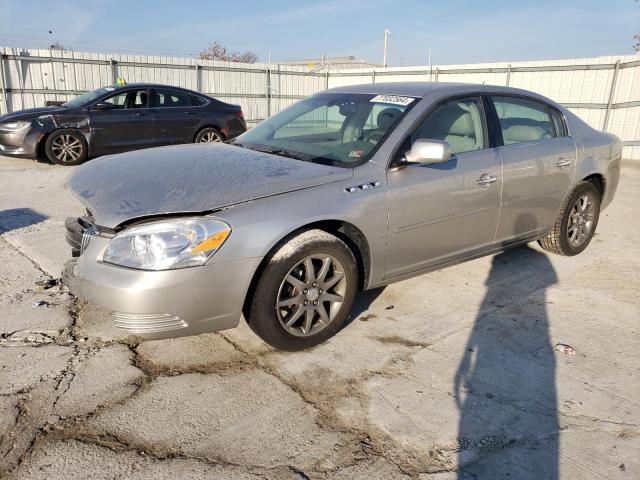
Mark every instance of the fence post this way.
pixel 268 96
pixel 508 75
pixel 198 80
pixel 612 91
pixel 435 79
pixel 326 78
pixel 114 72
pixel 3 79
pixel 373 76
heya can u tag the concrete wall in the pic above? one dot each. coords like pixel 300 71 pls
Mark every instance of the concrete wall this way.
pixel 604 91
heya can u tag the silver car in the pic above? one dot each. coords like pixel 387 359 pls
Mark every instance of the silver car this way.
pixel 349 189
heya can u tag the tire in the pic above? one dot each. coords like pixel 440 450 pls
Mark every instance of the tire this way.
pixel 270 321
pixel 565 240
pixel 209 135
pixel 66 147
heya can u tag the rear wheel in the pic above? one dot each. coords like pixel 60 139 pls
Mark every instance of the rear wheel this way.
pixel 66 147
pixel 576 223
pixel 305 292
pixel 209 135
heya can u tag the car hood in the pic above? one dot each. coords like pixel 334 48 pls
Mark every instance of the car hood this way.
pixel 30 113
pixel 188 179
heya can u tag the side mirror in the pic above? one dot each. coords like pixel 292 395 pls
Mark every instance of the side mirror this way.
pixel 429 151
pixel 103 106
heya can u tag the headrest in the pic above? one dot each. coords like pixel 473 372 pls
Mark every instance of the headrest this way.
pixel 522 133
pixel 456 121
pixel 387 117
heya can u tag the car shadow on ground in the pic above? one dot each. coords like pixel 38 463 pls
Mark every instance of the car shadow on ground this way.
pixel 17 218
pixel 361 304
pixel 505 383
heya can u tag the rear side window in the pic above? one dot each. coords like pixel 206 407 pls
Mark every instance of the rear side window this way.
pixel 522 120
pixel 458 122
pixel 170 98
pixel 558 123
pixel 197 101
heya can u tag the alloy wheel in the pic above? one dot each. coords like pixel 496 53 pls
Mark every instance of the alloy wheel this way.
pixel 580 221
pixel 67 148
pixel 311 295
pixel 209 137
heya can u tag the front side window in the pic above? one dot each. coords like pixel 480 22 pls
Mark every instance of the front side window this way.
pixel 170 98
pixel 458 122
pixel 522 120
pixel 341 129
pixel 128 100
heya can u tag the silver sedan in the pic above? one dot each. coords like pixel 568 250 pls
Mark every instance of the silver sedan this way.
pixel 350 189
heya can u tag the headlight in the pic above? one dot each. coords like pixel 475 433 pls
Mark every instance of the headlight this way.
pixel 167 245
pixel 14 125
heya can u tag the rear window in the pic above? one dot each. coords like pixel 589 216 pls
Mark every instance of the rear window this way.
pixel 197 101
pixel 522 120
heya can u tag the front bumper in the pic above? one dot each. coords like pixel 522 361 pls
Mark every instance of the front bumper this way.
pixel 19 143
pixel 164 304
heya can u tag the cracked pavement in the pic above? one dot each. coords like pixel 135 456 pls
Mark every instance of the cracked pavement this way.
pixel 450 375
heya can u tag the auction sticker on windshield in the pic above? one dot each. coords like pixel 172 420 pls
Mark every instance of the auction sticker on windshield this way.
pixel 392 99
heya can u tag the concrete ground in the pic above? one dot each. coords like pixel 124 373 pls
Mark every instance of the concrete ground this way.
pixel 450 375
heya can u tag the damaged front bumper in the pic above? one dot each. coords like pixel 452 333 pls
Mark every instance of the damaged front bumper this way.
pixel 19 143
pixel 160 304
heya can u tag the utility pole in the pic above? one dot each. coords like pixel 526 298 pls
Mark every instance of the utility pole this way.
pixel 387 32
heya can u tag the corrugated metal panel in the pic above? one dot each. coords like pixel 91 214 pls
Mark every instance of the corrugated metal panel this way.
pixel 32 77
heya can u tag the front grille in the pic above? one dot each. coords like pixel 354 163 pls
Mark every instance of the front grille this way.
pixel 147 323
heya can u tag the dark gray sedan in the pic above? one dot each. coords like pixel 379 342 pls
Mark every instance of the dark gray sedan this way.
pixel 349 189
pixel 116 119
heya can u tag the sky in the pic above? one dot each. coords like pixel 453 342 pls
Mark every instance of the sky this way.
pixel 456 31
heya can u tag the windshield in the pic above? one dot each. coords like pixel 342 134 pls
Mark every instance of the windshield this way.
pixel 88 97
pixel 341 129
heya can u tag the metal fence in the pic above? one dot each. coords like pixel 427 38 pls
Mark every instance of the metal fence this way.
pixel 604 91
pixel 29 78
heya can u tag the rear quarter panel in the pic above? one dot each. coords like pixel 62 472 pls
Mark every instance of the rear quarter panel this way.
pixel 597 153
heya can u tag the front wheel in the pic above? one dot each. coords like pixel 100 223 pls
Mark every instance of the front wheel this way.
pixel 305 292
pixel 576 223
pixel 66 147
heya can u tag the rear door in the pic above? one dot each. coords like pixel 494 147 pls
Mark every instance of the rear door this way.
pixel 128 125
pixel 442 212
pixel 538 160
pixel 176 120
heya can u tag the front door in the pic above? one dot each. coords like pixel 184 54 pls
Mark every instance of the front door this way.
pixel 539 160
pixel 446 211
pixel 128 125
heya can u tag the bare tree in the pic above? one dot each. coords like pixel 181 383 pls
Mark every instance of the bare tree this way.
pixel 636 44
pixel 217 51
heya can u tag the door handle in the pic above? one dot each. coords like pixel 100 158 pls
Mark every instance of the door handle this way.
pixel 563 162
pixel 486 180
pixel 141 114
pixel 188 113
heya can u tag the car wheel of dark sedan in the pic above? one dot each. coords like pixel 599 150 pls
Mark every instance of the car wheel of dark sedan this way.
pixel 208 135
pixel 305 292
pixel 66 147
pixel 576 223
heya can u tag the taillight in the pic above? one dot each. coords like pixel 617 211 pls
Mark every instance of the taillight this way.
pixel 239 113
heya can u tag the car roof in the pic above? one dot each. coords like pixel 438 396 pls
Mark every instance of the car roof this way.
pixel 154 85
pixel 421 89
